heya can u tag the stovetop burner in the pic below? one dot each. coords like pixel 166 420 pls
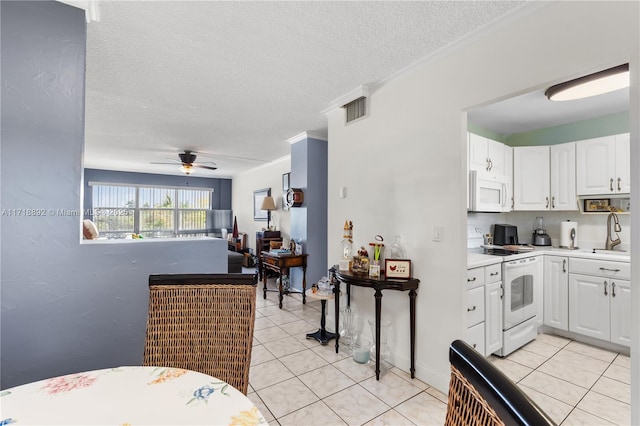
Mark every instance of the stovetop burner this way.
pixel 499 252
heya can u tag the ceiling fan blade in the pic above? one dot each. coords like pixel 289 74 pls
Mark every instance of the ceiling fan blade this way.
pixel 172 163
pixel 204 167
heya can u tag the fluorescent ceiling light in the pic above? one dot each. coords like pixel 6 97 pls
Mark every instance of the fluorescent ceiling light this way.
pixel 591 85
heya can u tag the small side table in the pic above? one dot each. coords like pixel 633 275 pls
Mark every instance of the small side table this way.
pixel 322 335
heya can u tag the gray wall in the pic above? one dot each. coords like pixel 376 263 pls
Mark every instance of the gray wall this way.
pixel 309 222
pixel 66 306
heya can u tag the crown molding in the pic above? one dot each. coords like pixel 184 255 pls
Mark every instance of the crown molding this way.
pixel 306 135
pixel 358 92
pixel 91 8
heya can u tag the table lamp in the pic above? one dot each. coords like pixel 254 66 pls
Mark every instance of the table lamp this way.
pixel 268 204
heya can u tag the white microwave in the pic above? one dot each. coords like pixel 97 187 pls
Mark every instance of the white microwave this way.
pixel 488 192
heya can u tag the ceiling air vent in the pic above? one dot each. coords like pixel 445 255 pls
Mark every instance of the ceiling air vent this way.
pixel 356 109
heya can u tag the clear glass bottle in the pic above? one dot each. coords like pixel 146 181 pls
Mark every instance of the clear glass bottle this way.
pixel 347 241
pixel 397 249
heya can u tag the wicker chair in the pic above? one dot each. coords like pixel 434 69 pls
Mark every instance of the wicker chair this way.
pixel 202 322
pixel 480 394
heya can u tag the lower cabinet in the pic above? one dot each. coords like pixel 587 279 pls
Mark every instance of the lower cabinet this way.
pixel 484 308
pixel 475 337
pixel 599 301
pixel 493 317
pixel 589 306
pixel 556 292
pixel 620 305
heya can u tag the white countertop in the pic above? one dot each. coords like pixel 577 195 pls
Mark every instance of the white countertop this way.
pixel 476 258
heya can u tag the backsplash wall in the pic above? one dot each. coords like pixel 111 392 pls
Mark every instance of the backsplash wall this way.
pixel 592 228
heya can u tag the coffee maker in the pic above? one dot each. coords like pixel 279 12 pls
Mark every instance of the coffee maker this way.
pixel 540 236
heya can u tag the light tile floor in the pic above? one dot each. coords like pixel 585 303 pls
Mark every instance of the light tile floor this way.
pixel 295 381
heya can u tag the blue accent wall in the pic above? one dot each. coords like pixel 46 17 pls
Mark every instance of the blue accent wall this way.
pixel 309 163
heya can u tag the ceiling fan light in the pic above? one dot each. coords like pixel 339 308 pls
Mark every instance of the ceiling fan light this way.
pixel 591 85
pixel 187 169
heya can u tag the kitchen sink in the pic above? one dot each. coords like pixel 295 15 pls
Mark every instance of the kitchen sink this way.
pixel 605 251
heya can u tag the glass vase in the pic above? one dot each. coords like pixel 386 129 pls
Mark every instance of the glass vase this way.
pixel 385 327
pixel 348 332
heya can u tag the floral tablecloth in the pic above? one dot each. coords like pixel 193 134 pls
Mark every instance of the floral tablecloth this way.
pixel 128 396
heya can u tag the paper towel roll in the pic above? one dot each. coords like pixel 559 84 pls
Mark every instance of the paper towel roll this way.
pixel 565 234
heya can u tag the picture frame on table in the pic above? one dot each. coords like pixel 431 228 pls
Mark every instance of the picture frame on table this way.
pixel 258 197
pixel 397 268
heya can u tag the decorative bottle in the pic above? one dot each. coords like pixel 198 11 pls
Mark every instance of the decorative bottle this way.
pixel 347 246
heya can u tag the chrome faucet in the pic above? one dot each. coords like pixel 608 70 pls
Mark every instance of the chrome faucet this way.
pixel 610 244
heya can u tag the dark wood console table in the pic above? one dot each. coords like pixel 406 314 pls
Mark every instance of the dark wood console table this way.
pixel 280 263
pixel 263 241
pixel 363 280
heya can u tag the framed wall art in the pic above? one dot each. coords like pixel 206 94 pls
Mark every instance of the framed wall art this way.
pixel 258 196
pixel 397 268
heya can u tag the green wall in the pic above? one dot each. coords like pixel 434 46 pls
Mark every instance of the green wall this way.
pixel 602 126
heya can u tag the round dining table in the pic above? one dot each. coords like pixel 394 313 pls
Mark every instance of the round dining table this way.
pixel 128 396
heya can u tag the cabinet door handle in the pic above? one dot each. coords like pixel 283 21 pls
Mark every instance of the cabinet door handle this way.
pixel 471 309
pixel 547 206
pixel 474 345
pixel 610 270
pixel 501 291
pixel 553 202
pixel 564 266
pixel 470 280
pixel 613 289
pixel 493 274
pixel 611 184
pixel 605 288
pixel 488 162
pixel 619 188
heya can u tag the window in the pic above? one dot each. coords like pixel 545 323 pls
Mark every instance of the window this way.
pixel 153 212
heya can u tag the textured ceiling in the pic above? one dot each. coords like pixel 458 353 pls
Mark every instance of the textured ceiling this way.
pixel 237 79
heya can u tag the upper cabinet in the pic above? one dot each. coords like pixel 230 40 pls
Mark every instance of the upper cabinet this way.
pixel 544 177
pixel 531 178
pixel 486 155
pixel 563 176
pixel 496 160
pixel 602 165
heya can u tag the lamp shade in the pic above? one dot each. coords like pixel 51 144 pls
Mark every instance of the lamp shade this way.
pixel 268 204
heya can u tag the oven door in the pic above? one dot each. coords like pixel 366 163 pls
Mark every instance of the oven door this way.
pixel 519 296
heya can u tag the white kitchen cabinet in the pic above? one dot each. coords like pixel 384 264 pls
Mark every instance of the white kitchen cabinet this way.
pixel 563 177
pixel 602 165
pixel 599 299
pixel 544 177
pixel 475 337
pixel 556 292
pixel 493 317
pixel 486 154
pixel 531 171
pixel 589 306
pixel 508 172
pixel 623 163
pixel 475 306
pixel 620 304
pixel 484 308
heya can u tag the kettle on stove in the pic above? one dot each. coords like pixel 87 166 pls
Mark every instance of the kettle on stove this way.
pixel 540 236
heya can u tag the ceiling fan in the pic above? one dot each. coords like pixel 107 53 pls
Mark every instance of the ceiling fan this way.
pixel 188 161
